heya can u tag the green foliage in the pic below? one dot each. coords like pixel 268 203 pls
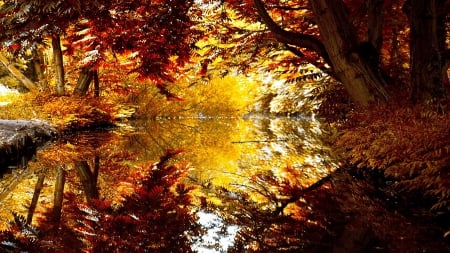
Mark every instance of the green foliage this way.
pixel 411 146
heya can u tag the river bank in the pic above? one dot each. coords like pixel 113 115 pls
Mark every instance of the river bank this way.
pixel 19 140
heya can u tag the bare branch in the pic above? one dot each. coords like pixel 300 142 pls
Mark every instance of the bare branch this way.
pixel 298 39
pixel 287 8
pixel 299 53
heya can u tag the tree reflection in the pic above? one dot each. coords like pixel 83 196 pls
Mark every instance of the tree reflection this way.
pixel 276 214
pixel 36 193
pixel 106 196
pixel 258 178
pixel 59 193
pixel 88 178
pixel 154 217
pixel 272 191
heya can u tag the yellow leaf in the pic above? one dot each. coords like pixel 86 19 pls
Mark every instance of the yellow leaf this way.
pixel 447 234
pixel 69 145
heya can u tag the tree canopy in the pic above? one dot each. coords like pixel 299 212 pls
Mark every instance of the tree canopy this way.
pixel 371 47
pixel 375 48
pixel 158 35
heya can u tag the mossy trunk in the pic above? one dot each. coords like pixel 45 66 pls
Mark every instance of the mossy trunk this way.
pixel 38 63
pixel 84 81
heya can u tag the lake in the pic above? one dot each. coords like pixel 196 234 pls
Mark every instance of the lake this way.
pixel 220 157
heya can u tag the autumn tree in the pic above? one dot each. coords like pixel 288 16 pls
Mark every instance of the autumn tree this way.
pixel 159 34
pixel 362 44
pixel 26 24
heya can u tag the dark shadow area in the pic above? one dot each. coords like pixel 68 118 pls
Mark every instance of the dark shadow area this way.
pixel 16 157
pixel 340 213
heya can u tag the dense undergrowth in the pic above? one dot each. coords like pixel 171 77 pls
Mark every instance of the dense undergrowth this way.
pixel 66 113
pixel 408 145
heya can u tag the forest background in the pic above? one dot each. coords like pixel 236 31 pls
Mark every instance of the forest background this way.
pixel 376 71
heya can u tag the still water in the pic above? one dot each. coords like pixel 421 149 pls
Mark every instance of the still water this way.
pixel 223 154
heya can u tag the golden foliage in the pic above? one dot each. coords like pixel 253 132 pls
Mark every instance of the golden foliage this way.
pixel 227 97
pixel 410 145
pixel 66 113
pixel 7 95
pixel 18 106
pixel 77 112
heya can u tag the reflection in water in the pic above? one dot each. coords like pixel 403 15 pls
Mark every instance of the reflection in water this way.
pixel 229 151
pixel 221 153
pixel 219 235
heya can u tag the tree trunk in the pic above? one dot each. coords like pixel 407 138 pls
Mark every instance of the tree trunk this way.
pixel 17 74
pixel 96 84
pixel 34 201
pixel 442 40
pixel 96 169
pixel 375 27
pixel 88 180
pixel 38 63
pixel 426 64
pixel 83 82
pixel 361 81
pixel 59 67
pixel 289 37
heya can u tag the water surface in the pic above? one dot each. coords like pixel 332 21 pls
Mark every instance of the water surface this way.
pixel 225 152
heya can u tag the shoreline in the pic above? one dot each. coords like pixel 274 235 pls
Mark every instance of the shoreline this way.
pixel 19 140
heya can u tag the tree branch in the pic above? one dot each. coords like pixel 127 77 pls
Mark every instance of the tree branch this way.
pixel 287 8
pixel 324 69
pixel 298 39
pixel 17 74
pixel 279 210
